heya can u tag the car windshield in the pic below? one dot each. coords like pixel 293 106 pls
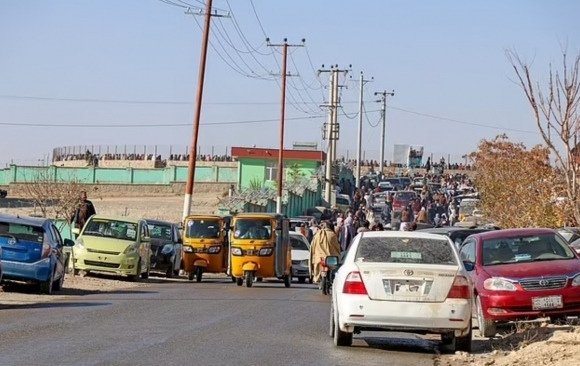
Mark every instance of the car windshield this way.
pixel 569 235
pixel 111 229
pixel 158 231
pixel 405 196
pixel 342 201
pixel 298 244
pixel 393 181
pixel 22 232
pixel 253 229
pixel 467 207
pixel 202 229
pixel 405 250
pixel 529 248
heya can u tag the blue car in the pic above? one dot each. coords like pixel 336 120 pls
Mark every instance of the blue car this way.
pixel 32 251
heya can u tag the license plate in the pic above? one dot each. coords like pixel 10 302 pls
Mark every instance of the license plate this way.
pixel 547 302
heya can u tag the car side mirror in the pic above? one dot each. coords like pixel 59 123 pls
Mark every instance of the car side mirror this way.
pixel 76 230
pixel 69 243
pixel 469 266
pixel 331 261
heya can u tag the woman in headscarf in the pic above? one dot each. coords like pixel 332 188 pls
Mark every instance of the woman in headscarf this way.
pixel 422 216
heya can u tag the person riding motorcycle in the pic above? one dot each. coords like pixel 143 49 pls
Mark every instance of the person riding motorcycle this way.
pixel 324 244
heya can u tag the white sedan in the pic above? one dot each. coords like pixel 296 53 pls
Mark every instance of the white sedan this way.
pixel 405 282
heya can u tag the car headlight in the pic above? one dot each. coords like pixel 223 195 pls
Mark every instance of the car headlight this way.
pixel 214 249
pixel 188 249
pixel 576 280
pixel 236 251
pixel 498 284
pixel 130 250
pixel 304 263
pixel 265 252
pixel 79 246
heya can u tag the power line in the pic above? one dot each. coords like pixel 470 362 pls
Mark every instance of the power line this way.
pixel 154 124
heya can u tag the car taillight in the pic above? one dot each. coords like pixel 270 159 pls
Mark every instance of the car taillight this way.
pixel 354 284
pixel 46 248
pixel 460 289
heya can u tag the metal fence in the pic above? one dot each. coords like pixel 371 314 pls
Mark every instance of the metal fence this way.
pixel 140 152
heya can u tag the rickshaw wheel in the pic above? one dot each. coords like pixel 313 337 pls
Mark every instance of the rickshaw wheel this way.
pixel 190 276
pixel 233 279
pixel 239 281
pixel 287 280
pixel 260 279
pixel 249 278
pixel 198 274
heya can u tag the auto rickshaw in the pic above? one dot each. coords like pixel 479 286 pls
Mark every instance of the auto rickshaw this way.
pixel 260 248
pixel 205 245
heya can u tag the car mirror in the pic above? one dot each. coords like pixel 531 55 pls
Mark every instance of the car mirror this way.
pixel 69 243
pixel 76 230
pixel 469 266
pixel 331 261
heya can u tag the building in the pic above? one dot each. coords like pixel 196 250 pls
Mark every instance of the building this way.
pixel 258 167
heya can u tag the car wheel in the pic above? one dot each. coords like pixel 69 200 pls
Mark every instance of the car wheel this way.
pixel 287 280
pixel 249 276
pixel 135 277
pixel 341 339
pixel 331 321
pixel 198 274
pixel 46 286
pixel 301 279
pixel 259 279
pixel 57 285
pixel 463 343
pixel 487 327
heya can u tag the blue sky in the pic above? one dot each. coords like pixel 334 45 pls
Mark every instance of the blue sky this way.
pixel 443 58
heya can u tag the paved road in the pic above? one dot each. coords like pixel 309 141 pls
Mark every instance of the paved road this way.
pixel 181 323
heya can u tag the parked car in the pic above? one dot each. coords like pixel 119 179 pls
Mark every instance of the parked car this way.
pixel 300 254
pixel 32 251
pixel 521 274
pixel 299 220
pixel 402 281
pixel 343 202
pixel 455 233
pixel 166 246
pixel 571 234
pixel 113 244
pixel 401 199
pixel 1 273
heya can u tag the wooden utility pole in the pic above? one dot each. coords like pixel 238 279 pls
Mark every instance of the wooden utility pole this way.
pixel 199 98
pixel 285 74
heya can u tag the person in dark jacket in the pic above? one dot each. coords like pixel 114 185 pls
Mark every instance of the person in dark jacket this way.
pixel 84 210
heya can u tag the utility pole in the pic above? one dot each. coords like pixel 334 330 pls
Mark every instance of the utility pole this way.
pixel 199 99
pixel 332 132
pixel 359 134
pixel 284 46
pixel 383 99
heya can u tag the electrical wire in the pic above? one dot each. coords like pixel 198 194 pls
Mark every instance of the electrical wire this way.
pixel 367 117
pixel 156 124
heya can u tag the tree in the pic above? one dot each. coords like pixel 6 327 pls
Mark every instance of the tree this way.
pixel 555 109
pixel 517 186
pixel 55 199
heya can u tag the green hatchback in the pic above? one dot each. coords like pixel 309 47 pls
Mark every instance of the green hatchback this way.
pixel 113 244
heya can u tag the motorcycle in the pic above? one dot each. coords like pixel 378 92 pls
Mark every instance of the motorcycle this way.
pixel 328 270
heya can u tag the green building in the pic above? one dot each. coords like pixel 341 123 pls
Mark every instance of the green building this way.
pixel 258 167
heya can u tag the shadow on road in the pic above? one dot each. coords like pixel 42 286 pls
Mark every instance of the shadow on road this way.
pixel 48 305
pixel 413 344
pixel 31 289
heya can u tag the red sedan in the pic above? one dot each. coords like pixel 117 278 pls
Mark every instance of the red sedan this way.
pixel 521 274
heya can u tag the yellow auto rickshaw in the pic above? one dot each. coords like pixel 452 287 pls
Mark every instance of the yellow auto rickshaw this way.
pixel 205 245
pixel 260 248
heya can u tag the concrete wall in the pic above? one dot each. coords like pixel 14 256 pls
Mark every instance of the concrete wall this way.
pixel 255 169
pixel 99 175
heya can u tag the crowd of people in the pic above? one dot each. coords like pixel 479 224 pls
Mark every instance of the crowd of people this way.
pixel 427 165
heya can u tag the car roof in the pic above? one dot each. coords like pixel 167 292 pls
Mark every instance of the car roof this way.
pixel 25 220
pixel 117 218
pixel 159 222
pixel 402 234
pixel 507 233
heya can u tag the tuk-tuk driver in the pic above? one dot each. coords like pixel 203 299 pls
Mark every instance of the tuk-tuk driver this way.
pixel 257 231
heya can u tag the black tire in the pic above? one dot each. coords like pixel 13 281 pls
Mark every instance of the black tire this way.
pixel 45 287
pixel 287 280
pixel 260 279
pixel 190 275
pixel 249 277
pixel 301 279
pixel 463 344
pixel 198 274
pixel 145 275
pixel 341 339
pixel 239 281
pixel 324 285
pixel 135 277
pixel 487 328
pixel 233 279
pixel 58 284
pixel 170 272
